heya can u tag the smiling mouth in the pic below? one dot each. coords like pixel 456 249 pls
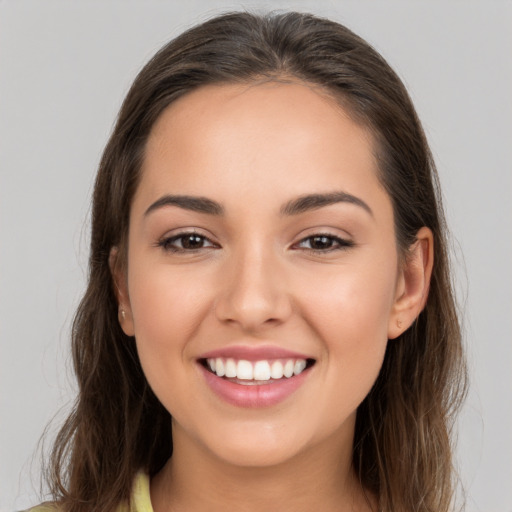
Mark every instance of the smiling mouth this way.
pixel 259 372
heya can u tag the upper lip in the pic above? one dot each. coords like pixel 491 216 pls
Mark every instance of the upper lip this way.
pixel 256 353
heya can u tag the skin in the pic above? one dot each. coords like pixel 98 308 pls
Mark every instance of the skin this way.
pixel 257 281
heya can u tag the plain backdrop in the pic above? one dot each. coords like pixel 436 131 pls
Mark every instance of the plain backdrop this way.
pixel 64 69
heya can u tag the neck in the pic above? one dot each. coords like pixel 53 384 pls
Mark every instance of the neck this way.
pixel 321 479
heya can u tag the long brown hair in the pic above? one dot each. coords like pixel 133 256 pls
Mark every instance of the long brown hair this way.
pixel 402 448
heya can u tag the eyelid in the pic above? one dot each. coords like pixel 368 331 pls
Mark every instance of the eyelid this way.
pixel 340 242
pixel 165 241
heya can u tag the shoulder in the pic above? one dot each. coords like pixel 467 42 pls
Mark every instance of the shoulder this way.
pixel 44 507
pixel 140 500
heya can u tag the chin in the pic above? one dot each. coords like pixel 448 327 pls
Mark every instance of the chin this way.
pixel 258 445
pixel 254 455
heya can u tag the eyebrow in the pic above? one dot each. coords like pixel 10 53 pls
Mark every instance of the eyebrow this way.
pixel 296 206
pixel 314 201
pixel 195 204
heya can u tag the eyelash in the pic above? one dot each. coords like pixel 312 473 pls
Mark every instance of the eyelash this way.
pixel 335 243
pixel 166 243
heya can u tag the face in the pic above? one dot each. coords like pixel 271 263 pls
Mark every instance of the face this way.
pixel 262 275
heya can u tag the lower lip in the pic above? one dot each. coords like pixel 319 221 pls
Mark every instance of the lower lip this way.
pixel 253 395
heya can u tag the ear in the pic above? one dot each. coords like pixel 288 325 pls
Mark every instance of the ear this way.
pixel 125 315
pixel 413 284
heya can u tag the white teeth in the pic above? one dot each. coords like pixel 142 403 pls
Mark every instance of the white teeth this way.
pixel 300 364
pixel 230 369
pixel 244 370
pixel 219 367
pixel 276 370
pixel 288 368
pixel 262 370
pixel 256 371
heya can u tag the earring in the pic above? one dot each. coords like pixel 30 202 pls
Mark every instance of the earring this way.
pixel 122 314
pixel 399 323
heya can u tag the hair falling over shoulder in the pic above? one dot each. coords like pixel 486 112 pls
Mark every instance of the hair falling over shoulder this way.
pixel 402 446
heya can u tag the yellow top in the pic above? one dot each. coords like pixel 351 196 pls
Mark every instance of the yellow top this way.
pixel 140 500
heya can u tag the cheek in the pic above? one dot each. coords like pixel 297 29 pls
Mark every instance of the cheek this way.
pixel 349 311
pixel 168 307
pixel 352 302
pixel 166 299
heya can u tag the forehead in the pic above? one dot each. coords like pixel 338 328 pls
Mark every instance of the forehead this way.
pixel 269 139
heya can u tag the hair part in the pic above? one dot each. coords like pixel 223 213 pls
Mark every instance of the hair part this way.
pixel 402 447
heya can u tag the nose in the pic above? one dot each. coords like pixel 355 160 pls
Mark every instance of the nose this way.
pixel 253 294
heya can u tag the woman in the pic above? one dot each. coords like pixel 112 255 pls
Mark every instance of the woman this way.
pixel 269 321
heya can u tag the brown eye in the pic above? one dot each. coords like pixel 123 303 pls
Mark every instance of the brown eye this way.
pixel 186 242
pixel 320 243
pixel 192 241
pixel 324 243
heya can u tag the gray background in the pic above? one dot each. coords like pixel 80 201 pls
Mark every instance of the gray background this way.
pixel 64 69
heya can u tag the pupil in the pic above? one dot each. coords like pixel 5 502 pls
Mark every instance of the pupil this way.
pixel 321 242
pixel 192 242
